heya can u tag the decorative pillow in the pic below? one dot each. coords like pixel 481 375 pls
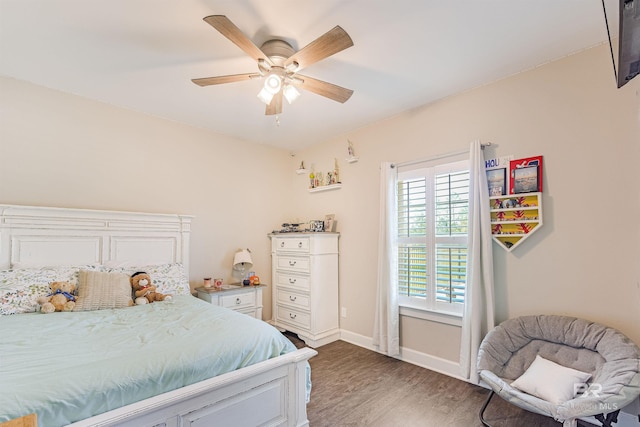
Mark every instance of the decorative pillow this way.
pixel 20 288
pixel 168 278
pixel 551 382
pixel 98 290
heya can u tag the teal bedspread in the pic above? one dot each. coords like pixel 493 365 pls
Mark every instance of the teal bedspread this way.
pixel 69 366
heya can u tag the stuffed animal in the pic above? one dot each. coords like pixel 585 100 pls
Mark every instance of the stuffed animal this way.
pixel 144 290
pixel 61 298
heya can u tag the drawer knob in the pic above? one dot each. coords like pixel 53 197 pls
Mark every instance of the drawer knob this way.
pixel 292 281
pixel 292 316
pixel 238 301
pixel 282 244
pixel 292 298
pixel 292 263
pixel 299 244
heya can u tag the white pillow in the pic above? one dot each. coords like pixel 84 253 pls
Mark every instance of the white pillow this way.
pixel 551 382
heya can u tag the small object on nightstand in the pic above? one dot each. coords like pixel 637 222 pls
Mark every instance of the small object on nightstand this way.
pixel 246 282
pixel 217 283
pixel 207 282
pixel 255 280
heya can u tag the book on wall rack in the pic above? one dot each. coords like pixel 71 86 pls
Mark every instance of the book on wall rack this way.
pixel 525 175
pixel 497 178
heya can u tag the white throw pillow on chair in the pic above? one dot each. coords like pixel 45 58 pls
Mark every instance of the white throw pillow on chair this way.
pixel 551 382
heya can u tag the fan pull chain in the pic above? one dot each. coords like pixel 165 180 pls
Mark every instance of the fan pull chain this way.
pixel 277 120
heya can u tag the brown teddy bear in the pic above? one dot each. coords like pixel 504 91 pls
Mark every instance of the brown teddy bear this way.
pixel 61 298
pixel 144 290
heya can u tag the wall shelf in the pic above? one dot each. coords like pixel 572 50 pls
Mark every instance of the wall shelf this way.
pixel 515 217
pixel 300 171
pixel 326 188
pixel 353 159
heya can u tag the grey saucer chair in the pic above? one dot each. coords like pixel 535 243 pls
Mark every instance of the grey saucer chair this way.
pixel 611 358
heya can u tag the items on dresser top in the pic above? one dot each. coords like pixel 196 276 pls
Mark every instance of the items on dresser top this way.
pixel 305 285
pixel 315 226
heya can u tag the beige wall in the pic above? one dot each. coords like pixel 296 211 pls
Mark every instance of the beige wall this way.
pixel 60 150
pixel 583 261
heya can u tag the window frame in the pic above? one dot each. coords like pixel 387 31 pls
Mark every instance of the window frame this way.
pixel 429 307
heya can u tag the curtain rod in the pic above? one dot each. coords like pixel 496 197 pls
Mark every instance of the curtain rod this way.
pixel 441 156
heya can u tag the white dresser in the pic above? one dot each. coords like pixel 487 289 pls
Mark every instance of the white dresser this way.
pixel 305 285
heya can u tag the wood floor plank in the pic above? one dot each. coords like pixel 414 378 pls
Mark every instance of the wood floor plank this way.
pixel 353 386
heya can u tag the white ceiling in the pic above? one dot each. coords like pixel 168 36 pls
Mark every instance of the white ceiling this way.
pixel 142 54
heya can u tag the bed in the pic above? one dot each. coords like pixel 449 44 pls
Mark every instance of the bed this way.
pixel 181 362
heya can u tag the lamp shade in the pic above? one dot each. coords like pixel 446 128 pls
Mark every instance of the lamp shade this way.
pixel 242 260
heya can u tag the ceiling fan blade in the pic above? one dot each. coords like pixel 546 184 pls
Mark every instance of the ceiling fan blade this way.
pixel 325 89
pixel 275 106
pixel 233 33
pixel 208 81
pixel 331 42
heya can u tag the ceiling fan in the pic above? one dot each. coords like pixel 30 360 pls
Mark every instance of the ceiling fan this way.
pixel 278 63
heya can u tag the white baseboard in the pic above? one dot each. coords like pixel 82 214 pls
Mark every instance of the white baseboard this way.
pixel 433 363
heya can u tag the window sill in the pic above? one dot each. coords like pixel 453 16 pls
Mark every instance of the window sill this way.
pixel 453 319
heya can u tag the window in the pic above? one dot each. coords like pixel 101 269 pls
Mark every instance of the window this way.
pixel 432 210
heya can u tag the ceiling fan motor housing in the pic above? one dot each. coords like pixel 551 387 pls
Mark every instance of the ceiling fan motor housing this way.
pixel 277 51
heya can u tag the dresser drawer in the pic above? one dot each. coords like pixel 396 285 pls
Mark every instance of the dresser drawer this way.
pixel 239 301
pixel 291 244
pixel 294 317
pixel 293 263
pixel 296 299
pixel 291 280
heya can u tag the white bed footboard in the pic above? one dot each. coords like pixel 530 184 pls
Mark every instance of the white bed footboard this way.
pixel 269 393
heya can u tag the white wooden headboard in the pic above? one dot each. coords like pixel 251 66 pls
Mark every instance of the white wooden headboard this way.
pixel 43 236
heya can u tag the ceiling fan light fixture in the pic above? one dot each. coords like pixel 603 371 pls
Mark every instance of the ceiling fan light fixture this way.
pixel 273 83
pixel 290 93
pixel 265 96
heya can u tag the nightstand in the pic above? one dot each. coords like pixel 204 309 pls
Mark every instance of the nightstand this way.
pixel 244 299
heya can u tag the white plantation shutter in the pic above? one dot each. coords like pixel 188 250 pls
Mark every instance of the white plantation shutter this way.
pixel 412 272
pixel 433 206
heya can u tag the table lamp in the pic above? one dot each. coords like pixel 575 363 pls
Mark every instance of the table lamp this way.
pixel 242 261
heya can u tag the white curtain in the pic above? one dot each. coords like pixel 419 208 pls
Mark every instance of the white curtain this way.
pixel 478 316
pixel 386 329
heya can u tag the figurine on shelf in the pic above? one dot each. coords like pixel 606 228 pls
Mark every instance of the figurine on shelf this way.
pixel 336 172
pixel 301 167
pixel 312 180
pixel 350 148
pixel 330 178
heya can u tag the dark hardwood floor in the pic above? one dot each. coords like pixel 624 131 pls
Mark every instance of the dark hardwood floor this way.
pixel 353 386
